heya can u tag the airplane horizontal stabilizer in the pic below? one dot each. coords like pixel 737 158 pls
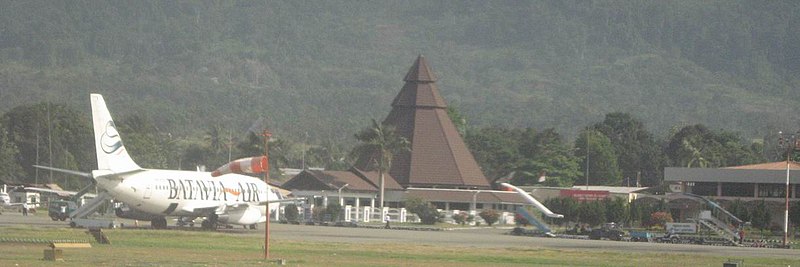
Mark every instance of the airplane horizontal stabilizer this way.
pixel 70 172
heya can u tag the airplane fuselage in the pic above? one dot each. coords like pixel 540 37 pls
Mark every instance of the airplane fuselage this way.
pixel 183 193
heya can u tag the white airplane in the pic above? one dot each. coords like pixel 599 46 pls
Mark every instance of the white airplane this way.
pixel 151 195
pixel 5 202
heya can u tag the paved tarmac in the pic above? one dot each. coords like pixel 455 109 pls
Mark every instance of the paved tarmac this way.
pixel 481 238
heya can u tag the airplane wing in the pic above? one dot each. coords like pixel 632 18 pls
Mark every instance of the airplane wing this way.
pixel 219 209
pixel 285 200
pixel 59 192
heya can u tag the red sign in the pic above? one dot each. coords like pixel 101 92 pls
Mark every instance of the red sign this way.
pixel 584 195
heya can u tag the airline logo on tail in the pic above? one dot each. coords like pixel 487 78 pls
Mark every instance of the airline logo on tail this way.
pixel 111 153
pixel 110 140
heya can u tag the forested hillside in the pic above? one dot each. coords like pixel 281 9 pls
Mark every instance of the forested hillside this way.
pixel 326 67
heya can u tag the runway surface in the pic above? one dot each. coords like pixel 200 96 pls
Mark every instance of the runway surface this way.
pixel 481 238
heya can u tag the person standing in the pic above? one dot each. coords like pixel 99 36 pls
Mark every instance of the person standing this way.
pixel 25 209
pixel 741 235
pixel 387 221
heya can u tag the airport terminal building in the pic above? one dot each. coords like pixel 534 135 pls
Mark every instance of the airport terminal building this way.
pixel 438 168
pixel 765 181
pixel 749 183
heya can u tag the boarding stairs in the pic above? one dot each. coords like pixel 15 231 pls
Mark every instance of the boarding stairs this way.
pixel 720 231
pixel 717 219
pixel 533 220
pixel 90 207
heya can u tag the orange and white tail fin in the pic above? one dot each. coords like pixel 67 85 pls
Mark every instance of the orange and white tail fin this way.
pixel 111 153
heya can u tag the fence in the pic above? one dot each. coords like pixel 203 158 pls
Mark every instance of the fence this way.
pixel 373 214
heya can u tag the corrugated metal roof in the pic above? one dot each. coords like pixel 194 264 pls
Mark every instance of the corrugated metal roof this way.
pixel 781 165
pixel 729 175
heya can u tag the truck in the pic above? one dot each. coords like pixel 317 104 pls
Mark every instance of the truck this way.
pixel 608 231
pixel 60 209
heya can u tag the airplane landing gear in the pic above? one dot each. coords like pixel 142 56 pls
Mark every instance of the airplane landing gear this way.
pixel 184 221
pixel 253 226
pixel 210 223
pixel 159 223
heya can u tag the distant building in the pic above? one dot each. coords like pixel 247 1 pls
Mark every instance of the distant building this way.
pixel 439 168
pixel 749 182
pixel 756 182
pixel 584 193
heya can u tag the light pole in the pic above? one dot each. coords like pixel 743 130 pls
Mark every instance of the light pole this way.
pixel 267 134
pixel 587 158
pixel 790 142
pixel 340 194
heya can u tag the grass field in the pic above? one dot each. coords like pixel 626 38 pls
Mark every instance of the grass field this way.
pixel 196 248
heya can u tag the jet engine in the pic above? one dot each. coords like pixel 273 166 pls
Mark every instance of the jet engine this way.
pixel 248 216
pixel 126 212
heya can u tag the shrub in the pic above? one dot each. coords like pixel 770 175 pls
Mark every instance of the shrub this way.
pixel 318 213
pixel 290 212
pixel 334 209
pixel 424 210
pixel 660 218
pixel 461 217
pixel 490 216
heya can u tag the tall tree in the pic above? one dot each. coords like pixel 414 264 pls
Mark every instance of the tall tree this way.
pixel 599 159
pixel 638 155
pixel 9 168
pixel 496 149
pixel 698 146
pixel 545 156
pixel 216 143
pixel 50 134
pixel 145 143
pixel 379 143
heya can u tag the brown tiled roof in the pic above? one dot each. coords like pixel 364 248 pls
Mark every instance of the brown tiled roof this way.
pixel 328 180
pixel 466 196
pixel 781 165
pixel 420 72
pixel 438 155
pixel 419 95
pixel 373 177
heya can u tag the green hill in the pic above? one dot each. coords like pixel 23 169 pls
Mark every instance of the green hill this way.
pixel 327 67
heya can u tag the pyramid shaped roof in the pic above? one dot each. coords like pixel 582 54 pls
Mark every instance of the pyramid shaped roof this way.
pixel 420 72
pixel 438 156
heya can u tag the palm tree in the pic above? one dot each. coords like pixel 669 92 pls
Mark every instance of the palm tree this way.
pixel 696 155
pixel 213 138
pixel 381 141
